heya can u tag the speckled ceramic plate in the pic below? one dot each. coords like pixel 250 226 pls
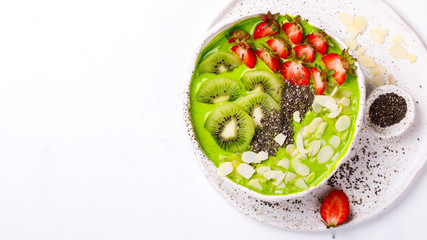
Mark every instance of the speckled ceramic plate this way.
pixel 378 170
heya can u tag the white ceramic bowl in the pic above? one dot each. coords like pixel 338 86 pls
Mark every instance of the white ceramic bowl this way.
pixel 209 169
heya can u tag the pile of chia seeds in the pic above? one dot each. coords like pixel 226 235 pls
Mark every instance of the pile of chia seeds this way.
pixel 388 109
pixel 294 98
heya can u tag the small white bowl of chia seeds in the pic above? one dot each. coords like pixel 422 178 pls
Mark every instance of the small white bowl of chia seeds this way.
pixel 390 111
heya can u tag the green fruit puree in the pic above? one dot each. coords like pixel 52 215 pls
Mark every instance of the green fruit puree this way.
pixel 200 111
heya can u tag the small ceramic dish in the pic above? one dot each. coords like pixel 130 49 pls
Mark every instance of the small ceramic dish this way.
pixel 395 129
pixel 210 170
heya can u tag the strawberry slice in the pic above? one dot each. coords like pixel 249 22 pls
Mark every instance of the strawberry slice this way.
pixel 304 52
pixel 335 208
pixel 319 79
pixel 280 46
pixel 244 51
pixel 319 41
pixel 268 27
pixel 272 60
pixel 341 64
pixel 295 72
pixel 293 28
pixel 238 35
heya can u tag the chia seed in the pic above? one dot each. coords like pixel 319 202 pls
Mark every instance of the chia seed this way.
pixel 296 98
pixel 388 109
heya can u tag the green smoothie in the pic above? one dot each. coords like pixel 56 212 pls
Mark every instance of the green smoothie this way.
pixel 285 172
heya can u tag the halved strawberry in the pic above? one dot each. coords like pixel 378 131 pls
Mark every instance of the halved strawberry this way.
pixel 304 52
pixel 272 60
pixel 319 79
pixel 268 27
pixel 244 51
pixel 295 72
pixel 293 28
pixel 335 208
pixel 238 35
pixel 280 46
pixel 341 64
pixel 319 41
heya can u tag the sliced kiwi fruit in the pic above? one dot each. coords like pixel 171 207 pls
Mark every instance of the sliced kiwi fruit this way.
pixel 219 62
pixel 258 105
pixel 264 81
pixel 231 127
pixel 218 90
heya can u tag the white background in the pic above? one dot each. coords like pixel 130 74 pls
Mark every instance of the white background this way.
pixel 92 139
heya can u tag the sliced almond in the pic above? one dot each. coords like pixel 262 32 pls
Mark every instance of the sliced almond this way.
pixel 360 51
pixel 325 153
pixel 224 169
pixel 255 184
pixel 359 24
pixel 332 106
pixel 280 139
pixel 397 39
pixel 351 43
pixel 261 170
pixel 290 148
pixel 296 117
pixel 323 100
pixel 342 123
pixel 250 157
pixel 344 101
pixel 301 168
pixel 378 80
pixel 334 91
pixel 295 153
pixel 367 61
pixel 302 156
pixel 378 69
pixel 335 157
pixel 346 19
pixel 398 51
pixel 314 147
pixel 320 130
pixel 304 132
pixel 334 141
pixel 316 107
pixel 391 79
pixel 245 170
pixel 284 163
pixel 335 113
pixel 278 176
pixel 290 176
pixel 314 124
pixel 300 144
pixel 261 156
pixel 299 183
pixel 310 177
pixel 377 35
pixel 412 58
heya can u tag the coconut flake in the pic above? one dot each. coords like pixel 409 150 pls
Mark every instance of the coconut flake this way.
pixel 342 123
pixel 398 51
pixel 296 117
pixel 299 183
pixel 284 163
pixel 301 168
pixel 250 157
pixel 314 147
pixel 245 170
pixel 280 139
pixel 255 184
pixel 325 154
pixel 335 141
pixel 224 169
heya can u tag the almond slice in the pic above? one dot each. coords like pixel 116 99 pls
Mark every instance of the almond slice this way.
pixel 320 130
pixel 299 183
pixel 335 141
pixel 343 123
pixel 335 157
pixel 325 153
pixel 250 157
pixel 378 80
pixel 224 169
pixel 300 144
pixel 245 170
pixel 322 100
pixel 310 177
pixel 376 37
pixel 316 107
pixel 335 113
pixel 284 163
pixel 359 24
pixel 278 176
pixel 378 69
pixel 261 156
pixel 290 176
pixel 301 168
pixel 296 117
pixel 314 124
pixel 344 101
pixel 397 39
pixel 255 184
pixel 332 106
pixel 351 43
pixel 334 91
pixel 314 147
pixel 280 139
pixel 367 61
pixel 412 58
pixel 263 169
pixel 346 19
pixel 391 79
pixel 398 51
pixel 290 148
pixel 360 51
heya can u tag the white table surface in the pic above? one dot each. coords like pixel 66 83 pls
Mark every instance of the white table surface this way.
pixel 92 139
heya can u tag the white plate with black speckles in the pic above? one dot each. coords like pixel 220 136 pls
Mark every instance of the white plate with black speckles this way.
pixel 378 170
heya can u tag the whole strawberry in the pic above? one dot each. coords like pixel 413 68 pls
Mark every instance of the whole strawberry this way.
pixel 335 208
pixel 268 27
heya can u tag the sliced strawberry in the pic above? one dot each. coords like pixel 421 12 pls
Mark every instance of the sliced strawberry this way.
pixel 295 72
pixel 238 35
pixel 341 64
pixel 268 27
pixel 319 79
pixel 319 41
pixel 280 46
pixel 304 52
pixel 243 50
pixel 272 60
pixel 293 29
pixel 335 208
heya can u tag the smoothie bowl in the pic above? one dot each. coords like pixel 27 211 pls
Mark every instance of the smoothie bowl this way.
pixel 272 106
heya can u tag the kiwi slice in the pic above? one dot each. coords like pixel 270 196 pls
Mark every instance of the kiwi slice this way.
pixel 219 62
pixel 258 105
pixel 218 90
pixel 231 127
pixel 264 81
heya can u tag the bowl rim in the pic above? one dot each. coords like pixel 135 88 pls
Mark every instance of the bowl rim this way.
pixel 207 165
